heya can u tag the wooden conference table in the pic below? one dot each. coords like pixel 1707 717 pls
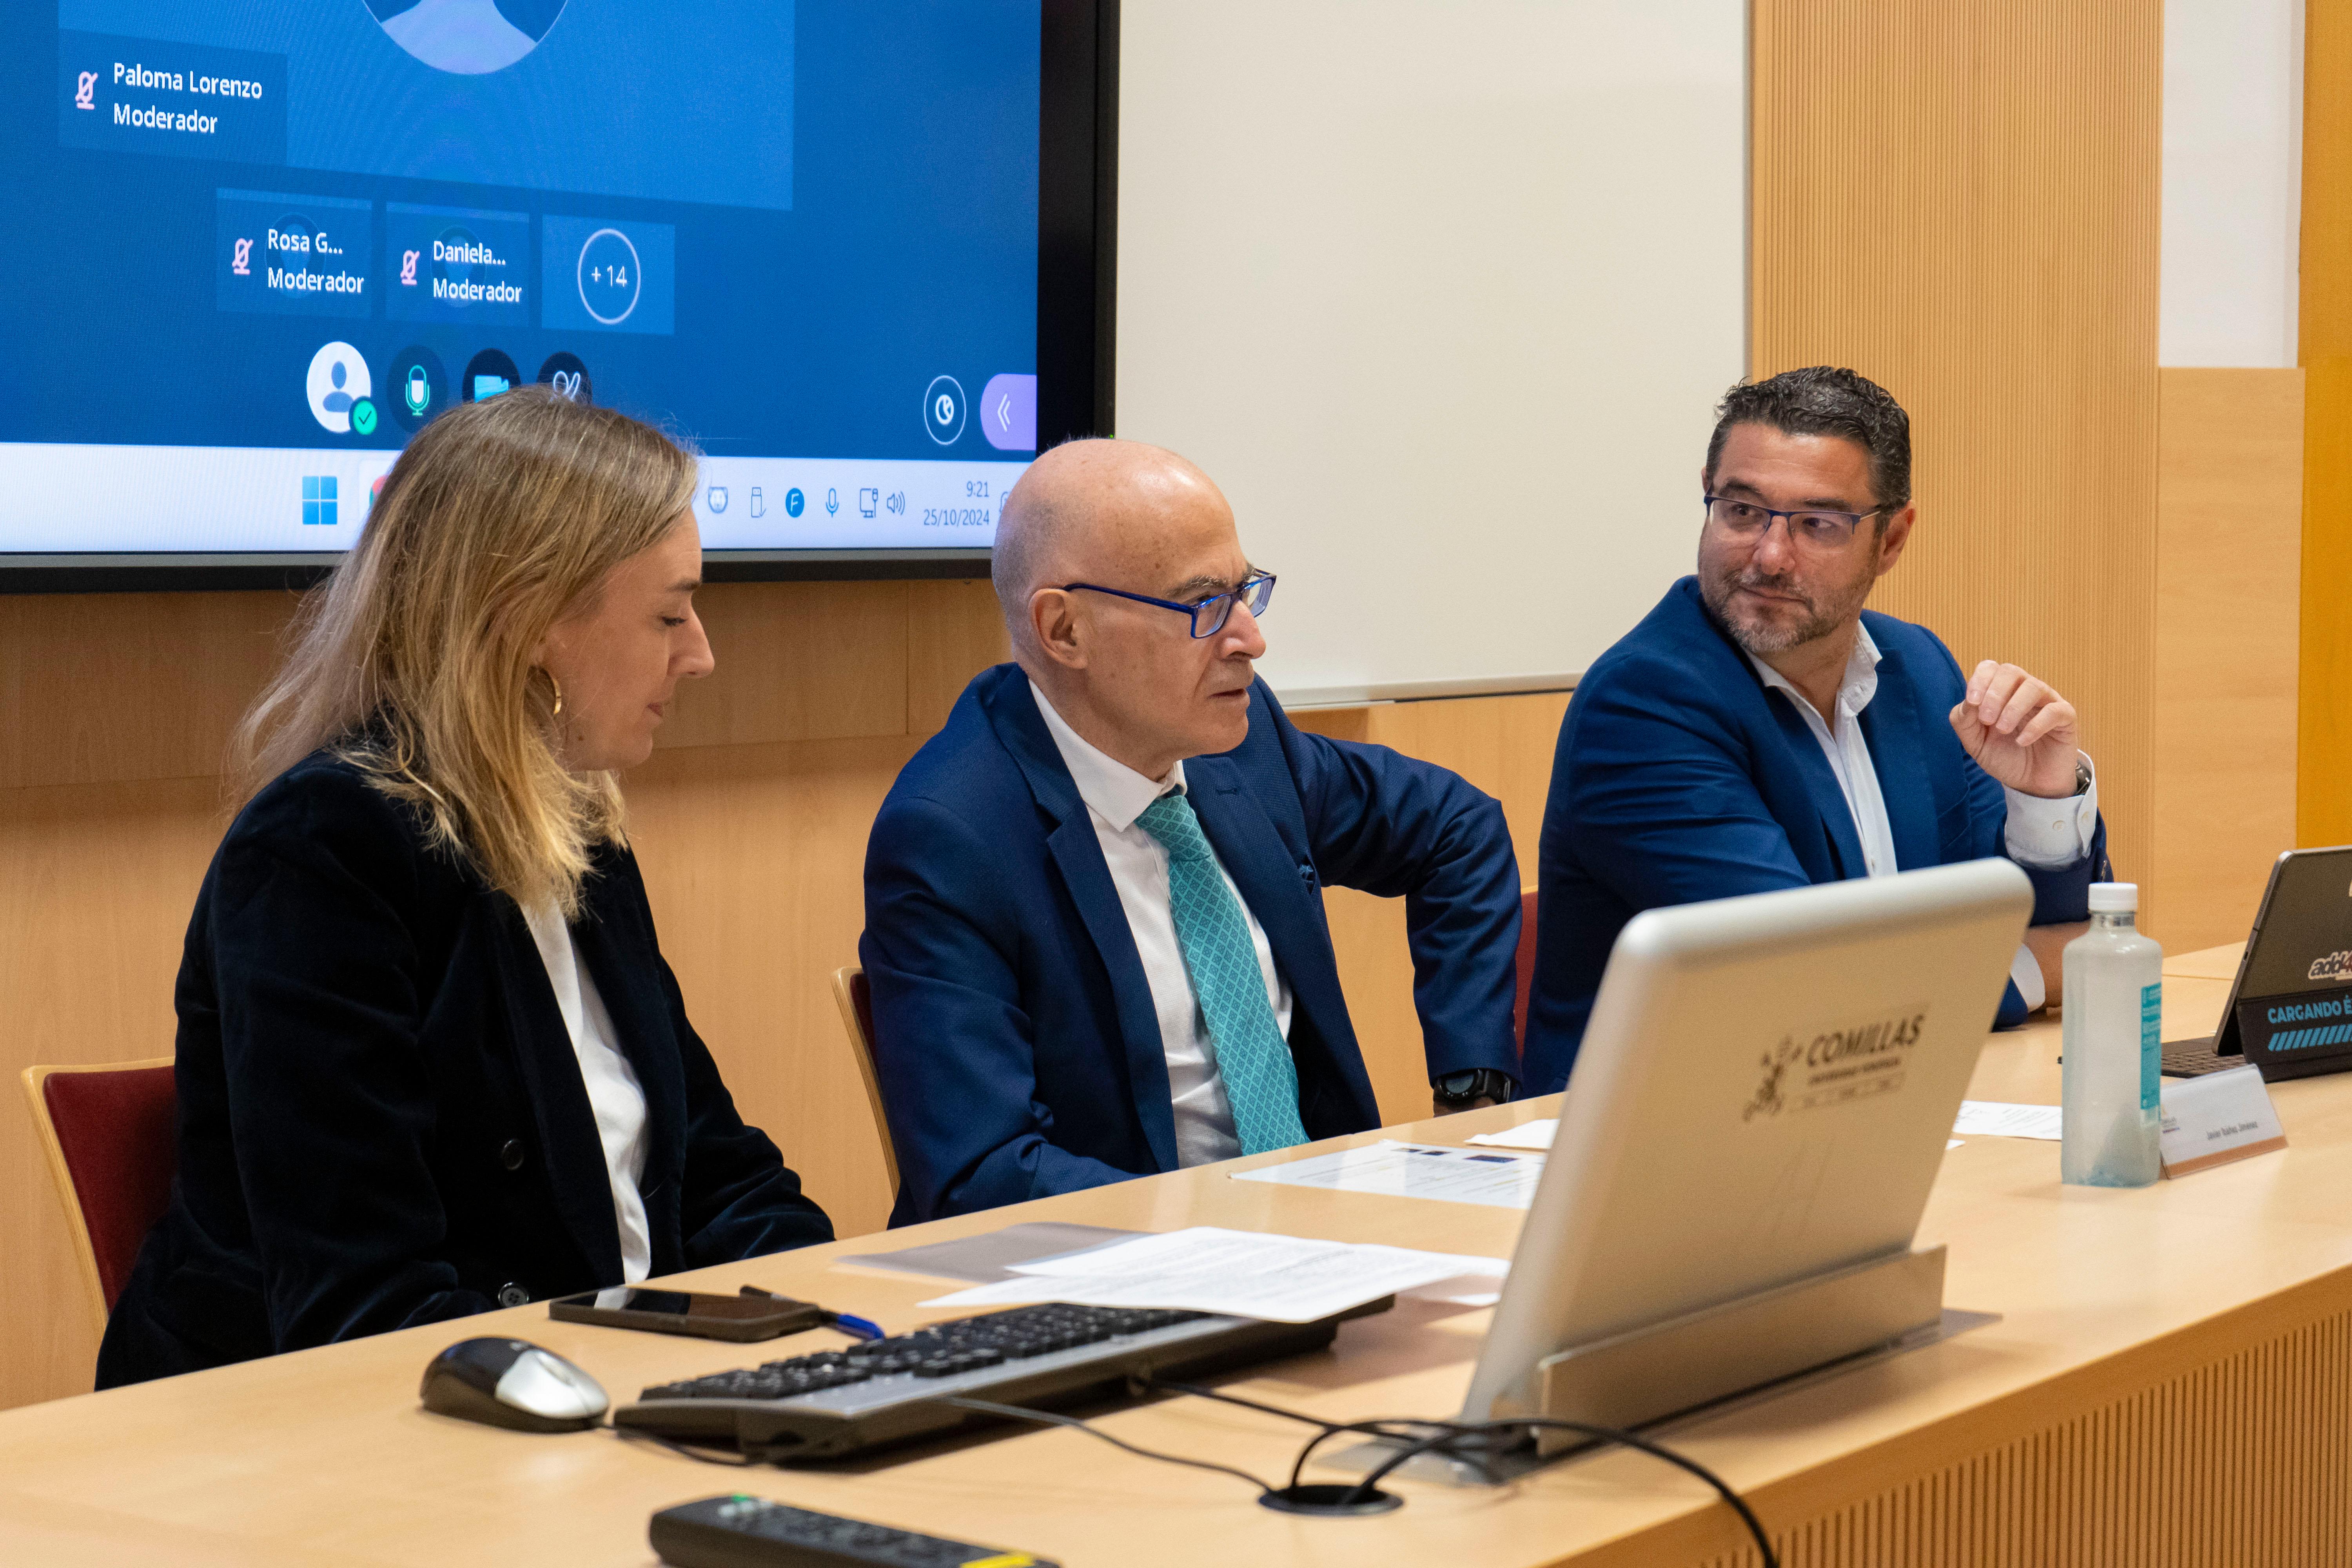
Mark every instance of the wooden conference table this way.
pixel 2169 1381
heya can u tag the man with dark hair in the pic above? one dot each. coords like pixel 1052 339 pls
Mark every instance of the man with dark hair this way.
pixel 1759 729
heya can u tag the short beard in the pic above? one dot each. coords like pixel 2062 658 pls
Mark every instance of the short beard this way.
pixel 1762 639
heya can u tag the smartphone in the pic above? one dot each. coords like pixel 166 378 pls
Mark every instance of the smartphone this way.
pixel 738 1317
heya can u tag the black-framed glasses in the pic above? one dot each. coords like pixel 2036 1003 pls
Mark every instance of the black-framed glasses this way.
pixel 1208 615
pixel 1809 527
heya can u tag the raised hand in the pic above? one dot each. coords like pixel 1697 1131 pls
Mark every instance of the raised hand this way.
pixel 2019 729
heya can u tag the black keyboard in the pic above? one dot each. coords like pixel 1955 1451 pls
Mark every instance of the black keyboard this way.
pixel 836 1402
pixel 2195 1059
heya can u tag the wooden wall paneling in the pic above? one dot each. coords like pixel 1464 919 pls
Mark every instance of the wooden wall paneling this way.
pixel 754 860
pixel 2323 759
pixel 1502 744
pixel 754 855
pixel 2229 560
pixel 795 661
pixel 1960 199
pixel 96 883
pixel 103 687
pixel 953 632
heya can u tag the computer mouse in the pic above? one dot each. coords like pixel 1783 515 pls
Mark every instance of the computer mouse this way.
pixel 512 1382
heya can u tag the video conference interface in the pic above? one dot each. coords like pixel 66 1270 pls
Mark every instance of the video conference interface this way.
pixel 273 241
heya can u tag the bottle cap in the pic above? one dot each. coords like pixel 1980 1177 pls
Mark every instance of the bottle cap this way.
pixel 2115 898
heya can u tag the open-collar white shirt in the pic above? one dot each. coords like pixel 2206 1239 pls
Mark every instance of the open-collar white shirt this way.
pixel 1115 794
pixel 614 1095
pixel 2040 832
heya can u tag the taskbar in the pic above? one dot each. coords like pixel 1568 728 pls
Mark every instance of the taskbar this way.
pixel 82 507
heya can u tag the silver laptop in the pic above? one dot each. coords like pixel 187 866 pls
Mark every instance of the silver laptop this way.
pixel 1762 1098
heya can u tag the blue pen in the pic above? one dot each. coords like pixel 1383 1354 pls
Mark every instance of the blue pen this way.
pixel 855 1327
pixel 849 1323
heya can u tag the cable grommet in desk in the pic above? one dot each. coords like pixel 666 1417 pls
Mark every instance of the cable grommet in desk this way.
pixel 1329 1500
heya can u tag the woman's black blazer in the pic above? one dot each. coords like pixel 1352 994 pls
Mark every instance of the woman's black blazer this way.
pixel 382 1120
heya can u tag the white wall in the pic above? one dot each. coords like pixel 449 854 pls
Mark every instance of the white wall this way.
pixel 1442 295
pixel 2233 181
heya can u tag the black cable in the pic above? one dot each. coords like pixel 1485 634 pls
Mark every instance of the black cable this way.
pixel 1389 1426
pixel 1441 1436
pixel 639 1435
pixel 1049 1418
pixel 1582 1428
pixel 1681 1462
pixel 1395 1429
pixel 1200 1391
pixel 1436 1436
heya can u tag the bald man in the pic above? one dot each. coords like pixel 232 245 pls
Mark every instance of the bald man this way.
pixel 1093 909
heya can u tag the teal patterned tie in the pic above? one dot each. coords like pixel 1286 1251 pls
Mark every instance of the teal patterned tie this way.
pixel 1261 1082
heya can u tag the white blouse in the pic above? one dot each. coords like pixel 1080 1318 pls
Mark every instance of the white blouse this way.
pixel 614 1092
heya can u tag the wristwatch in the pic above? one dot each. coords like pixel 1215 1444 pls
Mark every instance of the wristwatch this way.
pixel 2082 773
pixel 1460 1090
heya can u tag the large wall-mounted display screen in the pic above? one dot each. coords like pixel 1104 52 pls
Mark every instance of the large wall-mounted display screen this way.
pixel 260 244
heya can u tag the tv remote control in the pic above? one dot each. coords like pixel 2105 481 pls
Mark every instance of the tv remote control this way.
pixel 740 1531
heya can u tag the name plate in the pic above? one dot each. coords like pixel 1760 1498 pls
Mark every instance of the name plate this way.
pixel 2213 1120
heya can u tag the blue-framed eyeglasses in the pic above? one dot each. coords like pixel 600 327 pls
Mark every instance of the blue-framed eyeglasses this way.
pixel 1809 527
pixel 1208 615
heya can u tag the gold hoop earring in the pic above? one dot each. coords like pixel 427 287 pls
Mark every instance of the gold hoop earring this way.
pixel 556 712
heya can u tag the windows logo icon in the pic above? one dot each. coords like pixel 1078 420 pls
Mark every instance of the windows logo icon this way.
pixel 319 501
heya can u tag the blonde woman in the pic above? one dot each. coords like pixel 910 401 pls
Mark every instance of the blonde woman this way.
pixel 430 1059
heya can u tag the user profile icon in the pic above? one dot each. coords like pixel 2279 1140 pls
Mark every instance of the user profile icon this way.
pixel 467 37
pixel 416 387
pixel 569 377
pixel 338 379
pixel 488 373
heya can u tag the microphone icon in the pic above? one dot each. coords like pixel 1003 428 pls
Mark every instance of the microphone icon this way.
pixel 832 503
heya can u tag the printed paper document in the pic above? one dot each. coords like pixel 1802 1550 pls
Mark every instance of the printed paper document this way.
pixel 1287 1279
pixel 1415 1170
pixel 1997 1119
pixel 1536 1134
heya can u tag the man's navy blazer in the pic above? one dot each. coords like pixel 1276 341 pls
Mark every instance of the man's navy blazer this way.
pixel 382 1120
pixel 1016 1039
pixel 1681 776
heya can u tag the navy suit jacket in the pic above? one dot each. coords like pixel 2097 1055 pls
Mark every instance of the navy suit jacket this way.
pixel 382 1120
pixel 1015 1038
pixel 1681 776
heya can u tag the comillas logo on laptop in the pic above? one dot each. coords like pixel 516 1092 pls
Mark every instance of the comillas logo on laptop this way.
pixel 1809 1069
pixel 2331 966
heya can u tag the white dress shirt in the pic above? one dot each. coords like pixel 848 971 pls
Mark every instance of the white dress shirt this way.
pixel 2042 833
pixel 1115 794
pixel 614 1092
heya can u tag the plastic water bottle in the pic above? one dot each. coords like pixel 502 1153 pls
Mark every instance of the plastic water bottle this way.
pixel 2113 1033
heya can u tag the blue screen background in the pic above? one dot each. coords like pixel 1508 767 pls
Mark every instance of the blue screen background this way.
pixel 846 191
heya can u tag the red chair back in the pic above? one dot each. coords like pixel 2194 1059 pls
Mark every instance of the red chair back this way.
pixel 861 997
pixel 1526 968
pixel 113 1150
